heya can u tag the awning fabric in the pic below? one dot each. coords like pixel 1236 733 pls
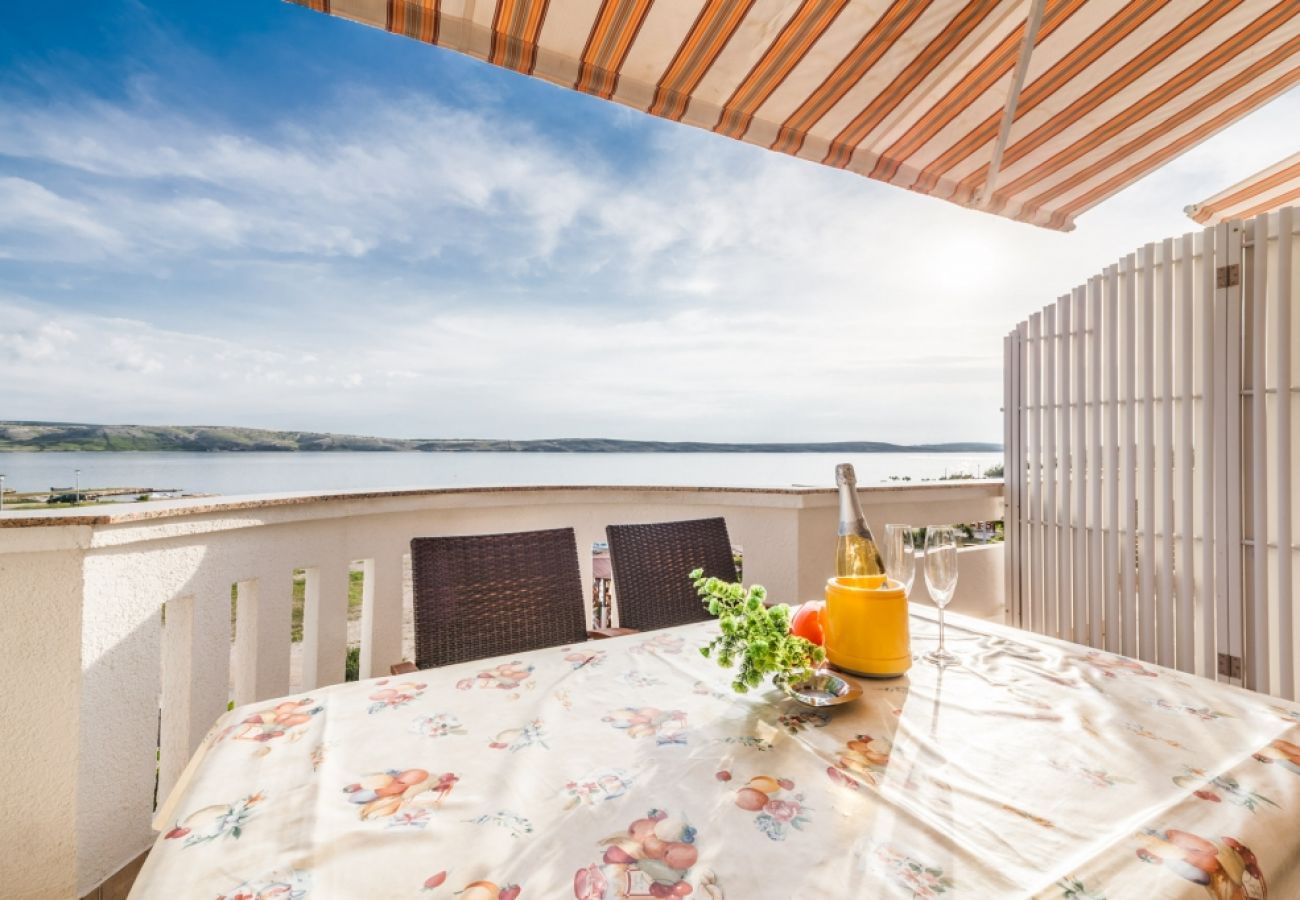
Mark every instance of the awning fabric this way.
pixel 1266 191
pixel 913 92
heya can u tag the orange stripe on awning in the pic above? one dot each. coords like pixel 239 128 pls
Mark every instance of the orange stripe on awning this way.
pixel 911 92
pixel 1266 191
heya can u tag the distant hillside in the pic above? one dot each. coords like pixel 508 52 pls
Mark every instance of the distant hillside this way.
pixel 56 436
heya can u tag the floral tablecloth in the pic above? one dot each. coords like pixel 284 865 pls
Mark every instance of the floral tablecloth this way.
pixel 628 769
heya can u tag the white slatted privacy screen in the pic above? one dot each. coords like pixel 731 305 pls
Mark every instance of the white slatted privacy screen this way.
pixel 1150 421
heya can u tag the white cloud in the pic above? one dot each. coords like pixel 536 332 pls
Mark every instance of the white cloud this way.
pixel 400 267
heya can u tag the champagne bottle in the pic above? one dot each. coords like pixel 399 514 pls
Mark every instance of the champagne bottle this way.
pixel 856 552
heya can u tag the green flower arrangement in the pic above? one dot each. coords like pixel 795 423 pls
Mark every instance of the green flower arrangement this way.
pixel 756 636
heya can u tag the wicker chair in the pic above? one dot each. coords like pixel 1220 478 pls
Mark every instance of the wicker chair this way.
pixel 651 563
pixel 494 594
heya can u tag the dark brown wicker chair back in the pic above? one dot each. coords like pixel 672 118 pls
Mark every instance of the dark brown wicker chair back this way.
pixel 494 594
pixel 651 563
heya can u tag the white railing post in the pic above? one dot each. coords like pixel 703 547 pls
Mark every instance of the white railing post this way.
pixel 263 616
pixel 381 613
pixel 325 624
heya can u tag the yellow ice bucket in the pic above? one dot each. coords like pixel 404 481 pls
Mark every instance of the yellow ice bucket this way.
pixel 865 626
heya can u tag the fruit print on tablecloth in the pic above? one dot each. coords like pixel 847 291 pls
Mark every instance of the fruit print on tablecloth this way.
pixel 795 722
pixel 1091 774
pixel 1073 888
pixel 437 725
pixel 667 725
pixel 1225 867
pixel 661 643
pixel 779 809
pixel 655 858
pixel 516 739
pixel 638 679
pixel 513 823
pixel 596 787
pixel 1111 666
pixel 1204 713
pixel 216 821
pixel 1220 788
pixel 509 676
pixel 1283 753
pixel 1291 716
pixel 581 658
pixel 912 876
pixel 291 884
pixel 405 797
pixel 1143 731
pixel 750 741
pixel 288 719
pixel 394 695
pixel 475 890
pixel 864 759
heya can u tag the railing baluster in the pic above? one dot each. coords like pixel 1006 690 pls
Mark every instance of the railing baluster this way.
pixel 1206 603
pixel 1185 630
pixel 1037 526
pixel 325 624
pixel 1096 464
pixel 1128 595
pixel 1165 464
pixel 1111 566
pixel 1050 481
pixel 1147 476
pixel 1256 612
pixel 1283 342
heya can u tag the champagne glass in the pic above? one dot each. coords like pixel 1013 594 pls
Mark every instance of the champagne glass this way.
pixel 900 556
pixel 941 579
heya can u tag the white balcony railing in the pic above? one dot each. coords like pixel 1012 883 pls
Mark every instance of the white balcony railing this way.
pixel 111 618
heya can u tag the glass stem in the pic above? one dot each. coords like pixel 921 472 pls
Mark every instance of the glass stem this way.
pixel 941 629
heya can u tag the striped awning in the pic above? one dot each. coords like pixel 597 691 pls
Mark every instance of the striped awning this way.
pixel 1266 191
pixel 1032 109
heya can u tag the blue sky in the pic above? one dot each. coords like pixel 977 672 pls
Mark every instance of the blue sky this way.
pixel 248 213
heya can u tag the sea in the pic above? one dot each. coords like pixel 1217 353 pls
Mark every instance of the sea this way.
pixel 256 473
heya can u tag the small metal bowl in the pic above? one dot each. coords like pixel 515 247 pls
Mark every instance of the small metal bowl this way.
pixel 822 689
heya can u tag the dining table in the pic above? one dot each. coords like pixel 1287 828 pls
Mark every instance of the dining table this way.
pixel 629 768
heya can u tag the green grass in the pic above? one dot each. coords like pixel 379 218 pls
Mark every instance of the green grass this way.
pixel 356 581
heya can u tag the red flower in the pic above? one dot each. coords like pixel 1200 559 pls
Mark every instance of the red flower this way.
pixel 1207 795
pixel 177 832
pixel 434 881
pixel 724 775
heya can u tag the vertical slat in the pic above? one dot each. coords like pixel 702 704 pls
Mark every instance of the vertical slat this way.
pixel 1147 477
pixel 1049 472
pixel 1111 565
pixel 1206 603
pixel 1079 469
pixel 1095 464
pixel 1128 596
pixel 1065 472
pixel 1010 478
pixel 1186 577
pixel 1256 609
pixel 1023 544
pixel 1227 544
pixel 1037 587
pixel 1286 248
pixel 1165 457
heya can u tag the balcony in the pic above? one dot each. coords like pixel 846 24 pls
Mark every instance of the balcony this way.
pixel 124 622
